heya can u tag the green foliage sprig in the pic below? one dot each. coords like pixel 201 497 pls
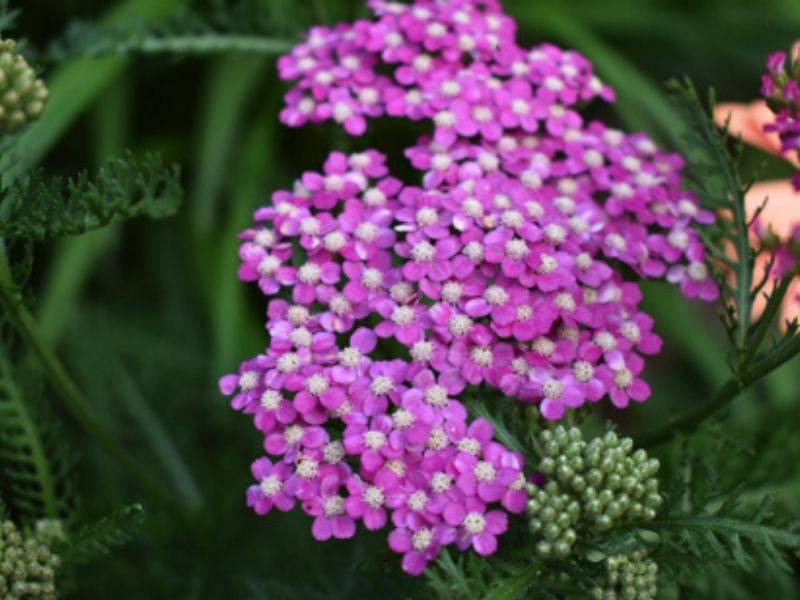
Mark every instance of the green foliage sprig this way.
pixel 124 188
pixel 713 174
pixel 34 460
pixel 96 539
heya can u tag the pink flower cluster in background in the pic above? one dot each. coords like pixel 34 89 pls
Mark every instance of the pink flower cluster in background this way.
pixel 782 91
pixel 507 271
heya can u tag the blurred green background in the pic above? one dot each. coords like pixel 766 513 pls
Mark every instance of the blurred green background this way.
pixel 149 315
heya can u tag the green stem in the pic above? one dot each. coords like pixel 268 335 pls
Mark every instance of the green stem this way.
pixel 691 419
pixel 206 44
pixel 68 391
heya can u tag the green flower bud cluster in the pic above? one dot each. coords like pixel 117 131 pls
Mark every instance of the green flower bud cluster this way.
pixel 22 96
pixel 631 577
pixel 27 565
pixel 591 486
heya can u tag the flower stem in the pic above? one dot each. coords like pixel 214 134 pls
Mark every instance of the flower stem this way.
pixel 72 398
pixel 691 419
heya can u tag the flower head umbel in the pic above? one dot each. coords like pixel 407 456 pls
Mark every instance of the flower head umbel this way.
pixel 499 268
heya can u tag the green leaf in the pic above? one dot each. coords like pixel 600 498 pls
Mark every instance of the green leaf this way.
pixel 123 189
pixel 34 461
pixel 97 539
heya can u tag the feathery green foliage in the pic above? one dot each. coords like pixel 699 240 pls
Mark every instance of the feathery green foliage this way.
pixel 125 188
pixel 34 459
pixel 97 539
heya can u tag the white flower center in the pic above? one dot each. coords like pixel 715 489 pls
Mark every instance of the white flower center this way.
pixel 484 471
pixel 421 540
pixel 340 305
pixel 293 434
pixel 373 496
pixel 623 378
pixel 268 266
pixel 452 292
pixel 366 232
pixel 382 385
pixel 400 292
pixel 474 251
pixel 402 419
pixel 474 523
pixel 297 315
pixel 271 400
pixel 469 445
pixel 374 440
pixel 495 296
pixel 616 242
pixel 482 356
pixel 271 486
pixel 333 452
pixel 333 506
pixel 248 381
pixel 317 385
pixel 459 325
pixel 520 366
pixel 583 261
pixel 441 482
pixel 437 440
pixel 417 501
pixel 444 119
pixel 427 216
pixel 422 351
pixel 423 252
pixel 309 273
pixel 436 395
pixel 524 312
pixel 543 346
pixel 516 249
pixel 520 107
pixel 374 197
pixel 350 358
pixel 630 331
pixel 583 371
pixel 697 271
pixel 552 389
pixel 441 162
pixel 342 112
pixel 301 337
pixel 334 241
pixel 450 88
pixel 403 316
pixel 606 341
pixel 555 233
pixel 549 264
pixel 482 114
pixel 565 302
pixel 512 219
pixel 310 226
pixel 288 363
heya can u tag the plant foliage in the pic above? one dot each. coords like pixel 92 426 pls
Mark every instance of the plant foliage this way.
pixel 125 188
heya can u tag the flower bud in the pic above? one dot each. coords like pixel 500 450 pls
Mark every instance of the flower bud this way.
pixel 22 95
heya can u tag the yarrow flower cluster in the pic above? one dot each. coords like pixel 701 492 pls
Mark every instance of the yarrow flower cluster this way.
pixel 501 270
pixel 782 91
pixel 27 565
pixel 628 577
pixel 22 95
pixel 589 486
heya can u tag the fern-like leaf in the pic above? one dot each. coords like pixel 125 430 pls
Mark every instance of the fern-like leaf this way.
pixel 99 538
pixel 123 189
pixel 34 460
